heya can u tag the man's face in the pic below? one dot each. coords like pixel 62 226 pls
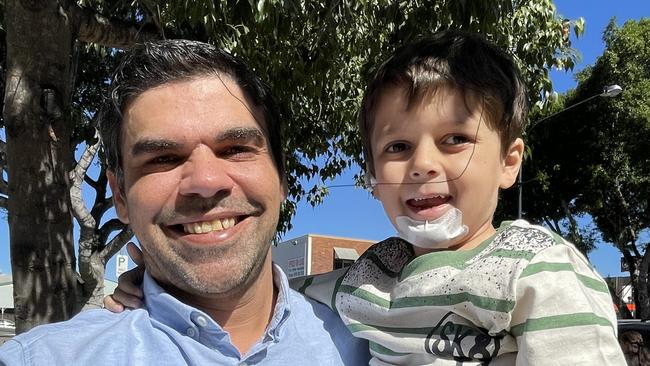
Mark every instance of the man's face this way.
pixel 437 155
pixel 201 190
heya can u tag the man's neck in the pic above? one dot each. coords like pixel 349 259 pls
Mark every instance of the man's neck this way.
pixel 245 315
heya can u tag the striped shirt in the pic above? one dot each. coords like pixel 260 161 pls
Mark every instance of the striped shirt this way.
pixel 525 296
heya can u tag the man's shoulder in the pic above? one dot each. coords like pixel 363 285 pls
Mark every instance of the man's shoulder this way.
pixel 62 339
pixel 84 323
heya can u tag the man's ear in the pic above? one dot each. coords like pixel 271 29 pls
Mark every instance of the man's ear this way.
pixel 512 163
pixel 284 188
pixel 119 200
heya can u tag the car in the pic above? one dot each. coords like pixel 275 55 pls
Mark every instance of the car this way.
pixel 634 337
pixel 7 328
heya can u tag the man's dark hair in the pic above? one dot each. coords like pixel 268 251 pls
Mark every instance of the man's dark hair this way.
pixel 455 59
pixel 151 64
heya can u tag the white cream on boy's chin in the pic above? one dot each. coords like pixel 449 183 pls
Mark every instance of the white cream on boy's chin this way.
pixel 440 233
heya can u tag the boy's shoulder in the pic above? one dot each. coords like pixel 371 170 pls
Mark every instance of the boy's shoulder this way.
pixel 520 235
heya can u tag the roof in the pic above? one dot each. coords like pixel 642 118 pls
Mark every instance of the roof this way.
pixel 342 238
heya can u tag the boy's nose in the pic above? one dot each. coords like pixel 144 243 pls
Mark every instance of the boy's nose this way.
pixel 204 174
pixel 425 164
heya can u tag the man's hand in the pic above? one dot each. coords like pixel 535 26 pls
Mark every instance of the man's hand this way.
pixel 128 292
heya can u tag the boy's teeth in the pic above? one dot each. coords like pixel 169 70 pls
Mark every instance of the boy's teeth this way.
pixel 209 226
pixel 426 198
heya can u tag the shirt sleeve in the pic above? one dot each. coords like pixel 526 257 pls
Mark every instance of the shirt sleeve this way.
pixel 12 354
pixel 320 287
pixel 564 313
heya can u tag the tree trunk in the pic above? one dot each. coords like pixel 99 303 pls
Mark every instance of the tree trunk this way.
pixel 37 100
pixel 643 298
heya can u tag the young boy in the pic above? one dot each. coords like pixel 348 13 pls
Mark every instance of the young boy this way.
pixel 441 125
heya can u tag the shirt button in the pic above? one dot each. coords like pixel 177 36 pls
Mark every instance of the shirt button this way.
pixel 201 321
pixel 243 364
pixel 190 332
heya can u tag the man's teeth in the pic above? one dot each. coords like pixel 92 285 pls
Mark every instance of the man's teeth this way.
pixel 208 226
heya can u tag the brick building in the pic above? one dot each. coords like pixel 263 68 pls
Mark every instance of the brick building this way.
pixel 313 254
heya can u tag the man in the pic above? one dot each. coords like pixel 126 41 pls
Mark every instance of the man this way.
pixel 195 165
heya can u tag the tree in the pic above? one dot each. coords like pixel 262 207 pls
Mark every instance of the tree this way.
pixel 315 55
pixel 595 160
pixel 41 138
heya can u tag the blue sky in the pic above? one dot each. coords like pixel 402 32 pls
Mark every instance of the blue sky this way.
pixel 352 212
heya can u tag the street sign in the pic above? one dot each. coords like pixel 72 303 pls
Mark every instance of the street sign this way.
pixel 121 264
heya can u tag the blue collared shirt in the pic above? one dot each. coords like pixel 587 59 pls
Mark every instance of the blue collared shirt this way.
pixel 168 332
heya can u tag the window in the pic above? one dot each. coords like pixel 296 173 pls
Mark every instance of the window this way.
pixel 342 263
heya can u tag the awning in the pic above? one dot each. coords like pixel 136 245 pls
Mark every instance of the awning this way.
pixel 346 254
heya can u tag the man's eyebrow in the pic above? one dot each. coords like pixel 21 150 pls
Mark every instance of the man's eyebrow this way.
pixel 241 134
pixel 148 146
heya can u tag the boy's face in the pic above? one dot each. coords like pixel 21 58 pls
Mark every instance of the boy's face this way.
pixel 440 154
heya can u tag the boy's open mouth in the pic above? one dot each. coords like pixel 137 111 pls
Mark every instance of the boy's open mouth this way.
pixel 423 203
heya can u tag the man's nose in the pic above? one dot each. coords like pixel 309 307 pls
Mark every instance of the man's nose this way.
pixel 425 162
pixel 204 174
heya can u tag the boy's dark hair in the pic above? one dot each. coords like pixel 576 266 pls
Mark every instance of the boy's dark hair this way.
pixel 457 59
pixel 151 64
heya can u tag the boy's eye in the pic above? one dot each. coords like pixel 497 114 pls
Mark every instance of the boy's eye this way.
pixel 397 147
pixel 456 140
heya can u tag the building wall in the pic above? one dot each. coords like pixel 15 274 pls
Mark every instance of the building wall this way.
pixel 292 256
pixel 322 250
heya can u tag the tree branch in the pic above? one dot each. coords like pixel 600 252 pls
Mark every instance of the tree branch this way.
pixel 108 227
pixel 79 209
pixel 155 16
pixel 93 27
pixel 102 204
pixel 4 186
pixel 116 243
pixel 91 182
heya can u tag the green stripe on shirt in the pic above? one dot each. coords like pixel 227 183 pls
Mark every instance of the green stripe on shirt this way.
pixel 589 282
pixel 358 327
pixel 483 302
pixel 378 348
pixel 397 331
pixel 559 321
pixel 306 284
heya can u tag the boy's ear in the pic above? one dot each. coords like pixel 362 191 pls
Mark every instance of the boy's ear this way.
pixel 370 183
pixel 118 197
pixel 512 163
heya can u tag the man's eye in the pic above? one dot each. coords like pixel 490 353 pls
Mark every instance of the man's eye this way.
pixel 164 159
pixel 239 151
pixel 456 140
pixel 397 147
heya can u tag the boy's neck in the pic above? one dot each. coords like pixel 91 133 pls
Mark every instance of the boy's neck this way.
pixel 470 242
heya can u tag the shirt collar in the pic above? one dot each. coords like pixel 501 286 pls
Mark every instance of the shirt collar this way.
pixel 168 310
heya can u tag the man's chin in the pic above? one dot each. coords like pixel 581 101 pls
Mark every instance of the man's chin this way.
pixel 216 280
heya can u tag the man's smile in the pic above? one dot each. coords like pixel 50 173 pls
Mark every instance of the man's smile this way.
pixel 208 226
